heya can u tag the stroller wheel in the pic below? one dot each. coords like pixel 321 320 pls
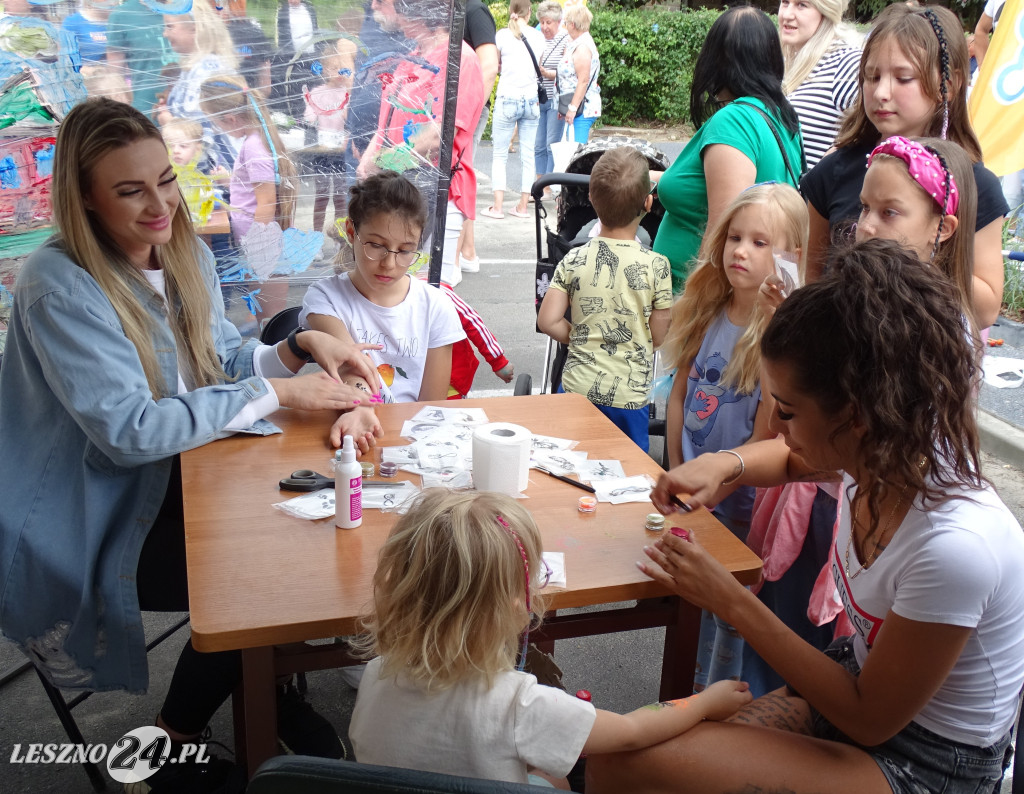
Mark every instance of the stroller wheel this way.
pixel 524 385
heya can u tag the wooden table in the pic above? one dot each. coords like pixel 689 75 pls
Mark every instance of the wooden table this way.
pixel 259 578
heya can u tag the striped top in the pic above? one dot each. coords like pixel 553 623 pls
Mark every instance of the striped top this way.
pixel 821 99
pixel 549 58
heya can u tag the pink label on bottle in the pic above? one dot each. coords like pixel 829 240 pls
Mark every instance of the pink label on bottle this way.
pixel 355 500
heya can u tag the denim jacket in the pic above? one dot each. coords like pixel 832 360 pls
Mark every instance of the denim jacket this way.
pixel 85 458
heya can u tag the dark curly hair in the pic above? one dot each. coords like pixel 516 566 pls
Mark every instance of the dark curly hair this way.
pixel 742 54
pixel 885 335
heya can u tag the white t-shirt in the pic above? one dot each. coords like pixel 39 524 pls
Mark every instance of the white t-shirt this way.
pixel 301 26
pixel 266 364
pixel 518 77
pixel 469 730
pixel 960 563
pixel 425 319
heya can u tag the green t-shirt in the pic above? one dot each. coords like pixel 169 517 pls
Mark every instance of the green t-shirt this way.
pixel 138 31
pixel 683 190
pixel 613 286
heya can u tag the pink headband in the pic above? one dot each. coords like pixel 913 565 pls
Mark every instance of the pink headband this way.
pixel 926 167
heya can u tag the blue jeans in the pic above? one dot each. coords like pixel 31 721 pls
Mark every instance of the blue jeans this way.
pixel 549 130
pixel 916 759
pixel 581 128
pixel 509 111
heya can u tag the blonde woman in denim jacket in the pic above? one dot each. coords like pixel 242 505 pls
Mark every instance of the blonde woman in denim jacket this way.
pixel 101 388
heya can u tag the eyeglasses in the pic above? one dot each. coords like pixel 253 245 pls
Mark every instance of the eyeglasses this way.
pixel 376 252
pixel 651 192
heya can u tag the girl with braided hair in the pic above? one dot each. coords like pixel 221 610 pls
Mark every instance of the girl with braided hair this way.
pixel 872 373
pixel 913 82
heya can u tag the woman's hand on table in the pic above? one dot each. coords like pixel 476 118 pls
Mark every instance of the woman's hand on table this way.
pixel 316 392
pixel 362 424
pixel 680 563
pixel 701 479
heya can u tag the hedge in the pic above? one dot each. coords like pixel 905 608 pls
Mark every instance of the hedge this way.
pixel 647 59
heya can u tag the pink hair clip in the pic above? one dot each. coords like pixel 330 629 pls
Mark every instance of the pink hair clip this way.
pixel 925 167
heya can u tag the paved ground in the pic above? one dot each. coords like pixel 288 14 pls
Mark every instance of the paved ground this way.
pixel 622 671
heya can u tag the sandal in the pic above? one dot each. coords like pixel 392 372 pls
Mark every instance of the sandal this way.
pixel 516 213
pixel 490 212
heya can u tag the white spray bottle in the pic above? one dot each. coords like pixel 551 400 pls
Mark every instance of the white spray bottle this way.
pixel 348 488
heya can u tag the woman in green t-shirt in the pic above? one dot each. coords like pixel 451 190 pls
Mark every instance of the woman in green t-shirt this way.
pixel 746 133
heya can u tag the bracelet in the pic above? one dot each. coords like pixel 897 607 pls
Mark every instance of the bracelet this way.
pixel 572 108
pixel 293 345
pixel 743 466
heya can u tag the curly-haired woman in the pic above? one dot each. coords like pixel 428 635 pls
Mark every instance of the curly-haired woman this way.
pixel 873 376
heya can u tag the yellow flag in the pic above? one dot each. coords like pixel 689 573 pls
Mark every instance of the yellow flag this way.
pixel 996 105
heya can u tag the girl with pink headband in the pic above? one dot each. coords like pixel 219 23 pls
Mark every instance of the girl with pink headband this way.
pixel 913 83
pixel 922 194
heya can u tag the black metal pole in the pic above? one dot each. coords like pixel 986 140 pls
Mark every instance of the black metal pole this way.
pixel 444 165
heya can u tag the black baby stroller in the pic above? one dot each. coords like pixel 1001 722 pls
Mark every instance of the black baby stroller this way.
pixel 575 216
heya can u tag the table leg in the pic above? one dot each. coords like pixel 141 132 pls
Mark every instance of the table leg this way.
pixel 257 716
pixel 680 657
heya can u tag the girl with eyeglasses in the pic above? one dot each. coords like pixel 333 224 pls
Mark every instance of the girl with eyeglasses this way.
pixel 378 299
pixel 456 592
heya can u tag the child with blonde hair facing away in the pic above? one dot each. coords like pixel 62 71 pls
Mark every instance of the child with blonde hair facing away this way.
pixel 455 595
pixel 379 303
pixel 263 183
pixel 618 294
pixel 713 342
pixel 327 111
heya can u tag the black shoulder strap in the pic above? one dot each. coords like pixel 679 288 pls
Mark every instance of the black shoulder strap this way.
pixel 778 139
pixel 533 58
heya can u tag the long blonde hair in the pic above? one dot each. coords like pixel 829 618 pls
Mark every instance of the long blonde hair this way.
pixel 449 594
pixel 518 15
pixel 831 32
pixel 212 38
pixel 90 131
pixel 708 291
pixel 228 93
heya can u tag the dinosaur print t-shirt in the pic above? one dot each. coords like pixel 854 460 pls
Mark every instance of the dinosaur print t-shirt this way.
pixel 613 286
pixel 715 417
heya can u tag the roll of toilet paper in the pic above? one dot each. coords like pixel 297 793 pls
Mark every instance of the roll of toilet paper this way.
pixel 501 458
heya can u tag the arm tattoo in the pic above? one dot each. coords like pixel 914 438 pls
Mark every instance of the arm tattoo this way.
pixel 667 704
pixel 776 711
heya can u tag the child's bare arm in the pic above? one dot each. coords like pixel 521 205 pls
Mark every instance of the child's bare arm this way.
pixel 613 733
pixel 659 321
pixel 266 202
pixel 437 374
pixel 674 419
pixel 362 424
pixel 551 318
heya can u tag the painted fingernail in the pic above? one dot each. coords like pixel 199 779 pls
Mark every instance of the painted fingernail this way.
pixel 356 402
pixel 679 532
pixel 641 566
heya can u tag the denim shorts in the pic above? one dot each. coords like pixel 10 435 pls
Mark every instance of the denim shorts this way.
pixel 917 761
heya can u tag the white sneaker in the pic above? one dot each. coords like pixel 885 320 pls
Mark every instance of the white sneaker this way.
pixel 470 265
pixel 451 276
